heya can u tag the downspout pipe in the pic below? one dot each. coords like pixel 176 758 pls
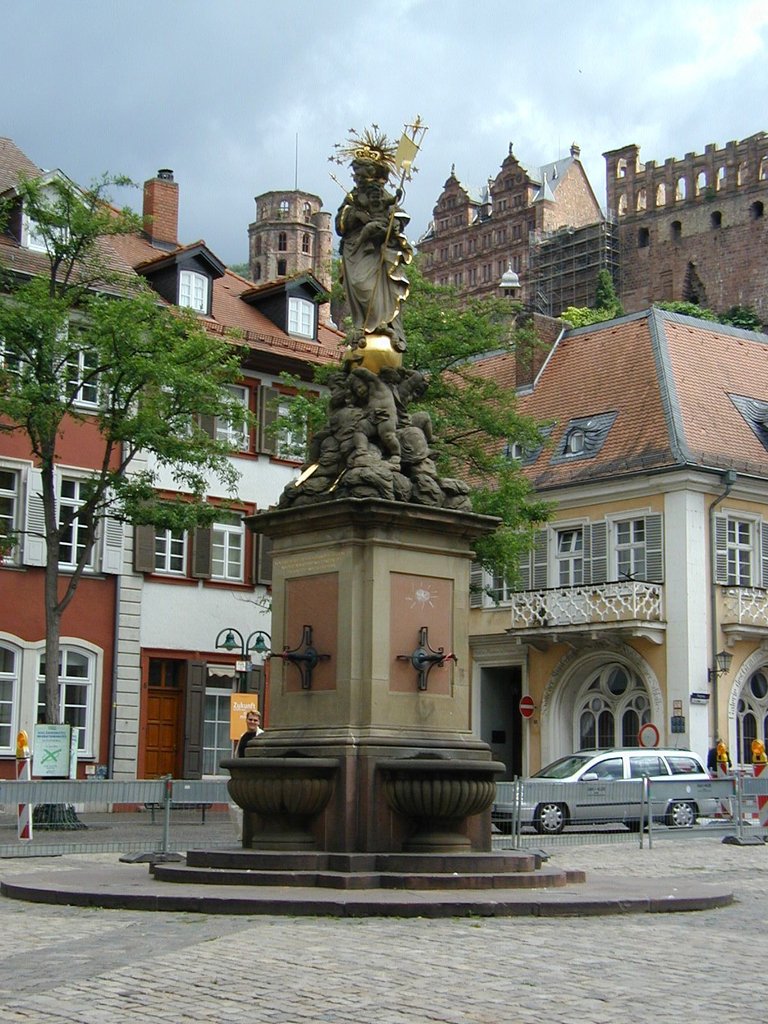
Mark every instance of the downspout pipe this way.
pixel 729 479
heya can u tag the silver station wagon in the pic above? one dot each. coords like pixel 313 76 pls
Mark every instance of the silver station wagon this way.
pixel 605 786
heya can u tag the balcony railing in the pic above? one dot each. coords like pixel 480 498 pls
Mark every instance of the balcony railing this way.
pixel 623 602
pixel 745 606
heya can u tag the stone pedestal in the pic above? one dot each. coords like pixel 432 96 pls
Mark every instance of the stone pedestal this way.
pixel 382 585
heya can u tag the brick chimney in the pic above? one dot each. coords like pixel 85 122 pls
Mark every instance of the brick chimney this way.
pixel 161 209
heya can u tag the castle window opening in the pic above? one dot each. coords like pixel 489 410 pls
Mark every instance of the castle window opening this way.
pixel 643 238
pixel 701 182
pixel 676 230
pixel 680 190
pixel 716 219
pixel 756 210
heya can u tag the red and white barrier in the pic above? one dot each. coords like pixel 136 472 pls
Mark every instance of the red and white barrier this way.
pixel 762 801
pixel 24 774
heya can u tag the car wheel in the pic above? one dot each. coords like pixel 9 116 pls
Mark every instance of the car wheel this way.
pixel 681 814
pixel 550 819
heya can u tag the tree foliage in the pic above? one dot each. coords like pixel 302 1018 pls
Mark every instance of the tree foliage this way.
pixel 86 346
pixel 475 417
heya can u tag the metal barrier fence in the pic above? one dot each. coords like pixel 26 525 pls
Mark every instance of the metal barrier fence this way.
pixel 728 805
pixel 163 795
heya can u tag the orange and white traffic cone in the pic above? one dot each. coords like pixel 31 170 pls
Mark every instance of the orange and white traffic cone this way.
pixel 23 774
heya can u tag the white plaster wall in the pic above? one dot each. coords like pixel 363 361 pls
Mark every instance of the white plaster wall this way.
pixel 686 592
pixel 188 618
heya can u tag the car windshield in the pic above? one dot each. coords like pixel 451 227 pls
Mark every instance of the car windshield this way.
pixel 563 767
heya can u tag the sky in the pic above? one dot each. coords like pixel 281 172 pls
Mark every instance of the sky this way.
pixel 240 97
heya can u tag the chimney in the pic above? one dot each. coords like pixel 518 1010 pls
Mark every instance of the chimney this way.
pixel 161 209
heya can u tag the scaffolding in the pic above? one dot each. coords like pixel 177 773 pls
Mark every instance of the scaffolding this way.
pixel 565 264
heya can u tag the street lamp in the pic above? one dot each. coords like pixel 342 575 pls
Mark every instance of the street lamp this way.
pixel 259 641
pixel 722 663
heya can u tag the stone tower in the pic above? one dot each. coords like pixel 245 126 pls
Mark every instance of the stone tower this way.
pixel 290 235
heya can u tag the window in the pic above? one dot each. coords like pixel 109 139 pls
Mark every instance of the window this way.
pixel 282 242
pixel 643 238
pixel 570 557
pixel 227 551
pixel 257 272
pixel 752 714
pixel 10 360
pixel 739 552
pixel 9 683
pixel 675 230
pixel 77 672
pixel 716 219
pixel 307 211
pixel 289 444
pixel 282 266
pixel 257 246
pixel 284 209
pixel 301 317
pixel 610 709
pixel 9 514
pixel 630 550
pixel 305 244
pixel 236 435
pixel 574 444
pixel 218 695
pixel 73 540
pixel 170 551
pixel 756 210
pixel 82 378
pixel 193 291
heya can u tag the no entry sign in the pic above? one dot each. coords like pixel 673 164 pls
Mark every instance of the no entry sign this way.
pixel 527 707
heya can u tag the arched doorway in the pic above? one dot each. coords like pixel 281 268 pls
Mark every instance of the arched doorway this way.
pixel 752 714
pixel 612 705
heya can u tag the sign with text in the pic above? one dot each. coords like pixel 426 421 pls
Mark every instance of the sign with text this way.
pixel 51 751
pixel 239 706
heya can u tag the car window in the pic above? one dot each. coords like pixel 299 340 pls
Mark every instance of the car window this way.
pixel 564 767
pixel 610 768
pixel 644 765
pixel 684 764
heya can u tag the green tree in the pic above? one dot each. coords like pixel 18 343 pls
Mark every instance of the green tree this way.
pixel 84 345
pixel 605 294
pixel 475 416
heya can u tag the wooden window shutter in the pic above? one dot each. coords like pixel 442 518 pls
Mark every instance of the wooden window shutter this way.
pixel 476 585
pixel 144 548
pixel 721 550
pixel 34 521
pixel 202 541
pixel 111 545
pixel 598 544
pixel 193 720
pixel 268 415
pixel 263 559
pixel 654 553
pixel 540 551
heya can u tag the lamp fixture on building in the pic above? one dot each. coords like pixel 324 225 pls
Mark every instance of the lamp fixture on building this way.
pixel 259 642
pixel 722 663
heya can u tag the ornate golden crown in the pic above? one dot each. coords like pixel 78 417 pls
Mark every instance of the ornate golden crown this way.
pixel 370 145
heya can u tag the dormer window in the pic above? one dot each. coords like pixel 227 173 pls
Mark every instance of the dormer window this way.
pixel 574 444
pixel 193 291
pixel 301 317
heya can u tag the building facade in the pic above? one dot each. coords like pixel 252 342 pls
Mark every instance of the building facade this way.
pixel 474 239
pixel 694 229
pixel 142 677
pixel 656 557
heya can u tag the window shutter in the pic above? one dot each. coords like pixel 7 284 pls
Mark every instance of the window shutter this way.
pixel 201 553
pixel 267 441
pixel 34 521
pixel 476 582
pixel 264 559
pixel 524 571
pixel 764 553
pixel 193 720
pixel 540 560
pixel 144 548
pixel 654 558
pixel 598 566
pixel 721 550
pixel 111 546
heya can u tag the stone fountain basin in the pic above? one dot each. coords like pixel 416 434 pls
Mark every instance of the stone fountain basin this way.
pixel 279 785
pixel 434 787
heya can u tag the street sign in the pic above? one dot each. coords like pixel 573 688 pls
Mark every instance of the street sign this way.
pixel 527 707
pixel 648 735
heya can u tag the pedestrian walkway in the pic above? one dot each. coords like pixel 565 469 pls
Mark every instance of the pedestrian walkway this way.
pixel 64 965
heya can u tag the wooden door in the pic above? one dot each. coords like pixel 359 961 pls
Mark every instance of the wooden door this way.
pixel 162 754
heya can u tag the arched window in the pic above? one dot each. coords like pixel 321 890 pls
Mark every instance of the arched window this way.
pixel 305 244
pixel 621 167
pixel 284 209
pixel 716 219
pixel 307 211
pixel 610 709
pixel 763 172
pixel 676 230
pixel 622 205
pixel 741 173
pixel 257 271
pixel 640 201
pixel 281 268
pixel 720 180
pixel 257 246
pixel 752 714
pixel 661 194
pixel 10 667
pixel 77 679
pixel 701 182
pixel 681 189
pixel 282 242
pixel 643 238
pixel 756 210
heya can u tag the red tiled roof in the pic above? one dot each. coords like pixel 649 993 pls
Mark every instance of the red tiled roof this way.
pixel 668 379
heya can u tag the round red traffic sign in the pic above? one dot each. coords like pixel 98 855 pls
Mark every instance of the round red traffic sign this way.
pixel 527 707
pixel 648 735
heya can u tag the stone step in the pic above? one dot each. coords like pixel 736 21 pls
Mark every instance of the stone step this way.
pixel 361 880
pixel 506 862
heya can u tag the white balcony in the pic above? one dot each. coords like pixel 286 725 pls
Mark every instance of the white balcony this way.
pixel 627 608
pixel 744 612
